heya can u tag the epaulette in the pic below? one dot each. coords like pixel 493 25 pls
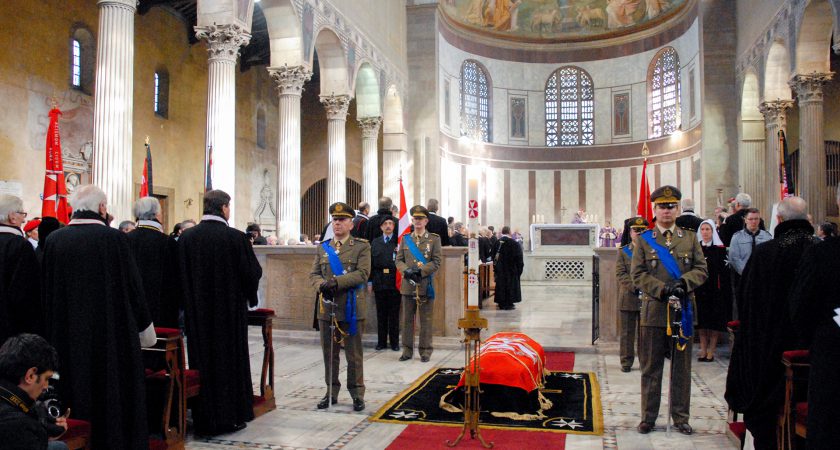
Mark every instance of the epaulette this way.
pixel 360 239
pixel 433 234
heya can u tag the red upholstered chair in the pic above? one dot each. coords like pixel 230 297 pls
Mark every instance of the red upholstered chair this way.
pixel 77 436
pixel 171 383
pixel 794 416
pixel 265 402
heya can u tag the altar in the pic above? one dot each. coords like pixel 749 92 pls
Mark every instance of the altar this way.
pixel 561 253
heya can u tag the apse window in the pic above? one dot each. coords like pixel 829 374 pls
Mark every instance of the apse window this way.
pixel 161 97
pixel 569 108
pixel 82 51
pixel 77 64
pixel 664 93
pixel 475 102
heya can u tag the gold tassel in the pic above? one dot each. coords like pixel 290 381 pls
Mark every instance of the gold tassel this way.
pixel 448 406
pixel 545 403
pixel 517 416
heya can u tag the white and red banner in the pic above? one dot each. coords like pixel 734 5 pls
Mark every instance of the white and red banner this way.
pixel 403 227
pixel 55 189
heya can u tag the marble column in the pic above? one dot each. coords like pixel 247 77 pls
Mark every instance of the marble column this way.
pixel 370 163
pixel 290 82
pixel 394 166
pixel 336 106
pixel 812 177
pixel 752 162
pixel 223 42
pixel 113 111
pixel 775 120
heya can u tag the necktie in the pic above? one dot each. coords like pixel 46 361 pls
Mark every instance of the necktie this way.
pixel 667 235
pixel 387 238
pixel 753 241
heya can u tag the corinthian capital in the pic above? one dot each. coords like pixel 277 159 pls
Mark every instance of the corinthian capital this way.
pixel 370 127
pixel 336 106
pixel 809 87
pixel 775 112
pixel 290 80
pixel 223 41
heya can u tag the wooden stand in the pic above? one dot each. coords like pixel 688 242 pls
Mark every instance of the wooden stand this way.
pixel 472 323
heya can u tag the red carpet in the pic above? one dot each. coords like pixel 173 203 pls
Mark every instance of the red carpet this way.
pixel 423 437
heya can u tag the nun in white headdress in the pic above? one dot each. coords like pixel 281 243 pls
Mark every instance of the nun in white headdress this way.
pixel 714 297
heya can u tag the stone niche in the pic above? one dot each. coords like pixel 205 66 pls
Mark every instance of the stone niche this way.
pixel 561 253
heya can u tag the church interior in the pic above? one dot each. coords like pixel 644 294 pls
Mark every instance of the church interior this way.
pixel 530 114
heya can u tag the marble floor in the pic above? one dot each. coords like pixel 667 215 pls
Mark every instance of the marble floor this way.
pixel 557 317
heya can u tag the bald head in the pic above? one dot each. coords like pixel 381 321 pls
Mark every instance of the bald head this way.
pixel 793 208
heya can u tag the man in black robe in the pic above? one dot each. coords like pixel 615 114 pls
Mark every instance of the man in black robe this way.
pixel 20 304
pixel 96 318
pixel 755 384
pixel 156 257
pixel 220 275
pixel 437 224
pixel 509 265
pixel 374 225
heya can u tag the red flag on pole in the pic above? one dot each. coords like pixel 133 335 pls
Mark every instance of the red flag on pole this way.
pixel 783 180
pixel 404 227
pixel 144 180
pixel 55 189
pixel 644 207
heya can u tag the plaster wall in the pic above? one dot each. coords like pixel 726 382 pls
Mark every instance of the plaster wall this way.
pixel 753 16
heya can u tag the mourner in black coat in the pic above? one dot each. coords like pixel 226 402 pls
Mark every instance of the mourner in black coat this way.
pixel 95 310
pixel 156 255
pixel 755 383
pixel 508 268
pixel 814 302
pixel 734 224
pixel 375 221
pixel 714 296
pixel 383 275
pixel 220 275
pixel 20 294
pixel 437 225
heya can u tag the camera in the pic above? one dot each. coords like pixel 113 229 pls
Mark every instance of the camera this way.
pixel 51 403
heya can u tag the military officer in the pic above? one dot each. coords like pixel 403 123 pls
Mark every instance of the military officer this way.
pixel 418 258
pixel 668 261
pixel 629 302
pixel 340 273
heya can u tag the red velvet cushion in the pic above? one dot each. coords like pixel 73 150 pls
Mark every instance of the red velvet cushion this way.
pixel 157 444
pixel 193 378
pixel 167 332
pixel 796 356
pixel 802 412
pixel 739 429
pixel 262 312
pixel 76 428
pixel 733 324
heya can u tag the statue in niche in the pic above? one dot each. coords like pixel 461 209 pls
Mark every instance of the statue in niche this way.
pixel 261 216
pixel 517 118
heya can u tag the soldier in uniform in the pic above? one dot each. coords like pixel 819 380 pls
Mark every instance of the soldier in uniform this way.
pixel 338 292
pixel 418 258
pixel 629 303
pixel 658 249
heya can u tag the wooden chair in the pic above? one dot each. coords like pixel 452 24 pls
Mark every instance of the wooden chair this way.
pixel 171 381
pixel 794 417
pixel 265 402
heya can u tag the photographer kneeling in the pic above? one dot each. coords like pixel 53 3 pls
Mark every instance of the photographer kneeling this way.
pixel 27 362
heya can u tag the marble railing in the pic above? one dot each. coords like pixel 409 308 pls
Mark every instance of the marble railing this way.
pixel 285 288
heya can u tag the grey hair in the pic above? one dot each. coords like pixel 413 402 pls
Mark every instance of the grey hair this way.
pixel 432 205
pixel 385 203
pixel 146 208
pixel 743 199
pixel 793 208
pixel 687 204
pixel 457 226
pixel 88 198
pixel 9 204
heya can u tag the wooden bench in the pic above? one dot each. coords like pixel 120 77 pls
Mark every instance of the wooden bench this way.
pixel 265 402
pixel 171 382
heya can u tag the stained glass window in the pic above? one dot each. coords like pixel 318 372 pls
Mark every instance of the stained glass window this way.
pixel 475 101
pixel 77 63
pixel 664 84
pixel 569 108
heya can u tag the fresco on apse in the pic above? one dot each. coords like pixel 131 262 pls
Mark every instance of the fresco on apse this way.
pixel 559 19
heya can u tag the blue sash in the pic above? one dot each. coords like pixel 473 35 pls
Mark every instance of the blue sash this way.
pixel 337 270
pixel 418 255
pixel 670 264
pixel 627 251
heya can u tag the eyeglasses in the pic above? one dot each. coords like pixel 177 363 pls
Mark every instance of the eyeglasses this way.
pixel 22 213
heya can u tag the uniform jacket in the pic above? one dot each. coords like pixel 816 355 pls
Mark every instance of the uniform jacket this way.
pixel 627 300
pixel 650 275
pixel 355 257
pixel 383 268
pixel 429 245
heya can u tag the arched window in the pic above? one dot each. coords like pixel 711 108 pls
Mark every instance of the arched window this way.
pixel 664 93
pixel 161 98
pixel 569 108
pixel 82 59
pixel 475 101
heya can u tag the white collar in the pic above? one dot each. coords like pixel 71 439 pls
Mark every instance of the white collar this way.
pixel 214 218
pixel 8 229
pixel 86 222
pixel 150 223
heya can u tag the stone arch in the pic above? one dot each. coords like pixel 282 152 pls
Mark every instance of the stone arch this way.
pixel 285 34
pixel 332 63
pixel 392 119
pixel 750 96
pixel 814 41
pixel 777 73
pixel 367 92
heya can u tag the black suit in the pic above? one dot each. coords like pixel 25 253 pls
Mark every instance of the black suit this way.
pixel 383 274
pixel 437 225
